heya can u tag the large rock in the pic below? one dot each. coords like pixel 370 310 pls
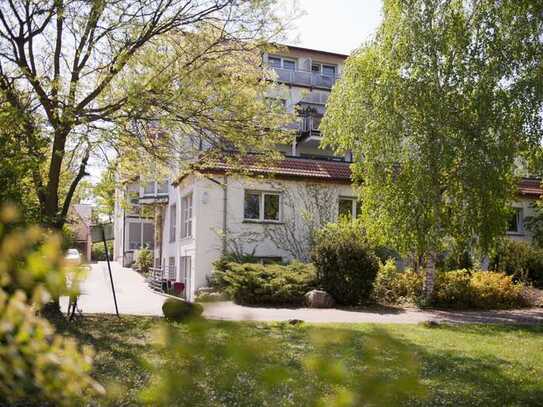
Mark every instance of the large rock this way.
pixel 319 299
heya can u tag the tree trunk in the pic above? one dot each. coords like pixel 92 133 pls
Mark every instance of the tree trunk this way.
pixel 429 275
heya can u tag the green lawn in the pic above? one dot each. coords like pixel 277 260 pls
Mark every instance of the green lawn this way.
pixel 467 365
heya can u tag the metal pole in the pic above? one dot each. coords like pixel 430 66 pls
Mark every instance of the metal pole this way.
pixel 110 275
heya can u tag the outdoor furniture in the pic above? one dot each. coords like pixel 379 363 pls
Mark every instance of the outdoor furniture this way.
pixel 178 288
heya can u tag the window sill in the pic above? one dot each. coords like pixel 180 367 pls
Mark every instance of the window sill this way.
pixel 266 222
pixel 515 233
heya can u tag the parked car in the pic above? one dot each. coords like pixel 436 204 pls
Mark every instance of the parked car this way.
pixel 73 257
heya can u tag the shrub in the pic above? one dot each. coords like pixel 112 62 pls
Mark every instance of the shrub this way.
pixel 144 260
pixel 178 310
pixel 346 265
pixel 98 252
pixel 251 283
pixel 462 289
pixel 452 289
pixel 521 260
pixel 393 286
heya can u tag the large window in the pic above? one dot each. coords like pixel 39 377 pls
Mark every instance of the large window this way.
pixel 282 63
pixel 185 268
pixel 349 207
pixel 516 225
pixel 324 69
pixel 140 235
pixel 134 236
pixel 262 206
pixel 155 188
pixel 171 269
pixel 186 216
pixel 173 222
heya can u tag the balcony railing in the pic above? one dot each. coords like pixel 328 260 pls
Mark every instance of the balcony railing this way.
pixel 305 78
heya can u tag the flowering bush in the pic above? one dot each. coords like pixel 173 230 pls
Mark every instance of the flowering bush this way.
pixel 463 289
pixel 394 286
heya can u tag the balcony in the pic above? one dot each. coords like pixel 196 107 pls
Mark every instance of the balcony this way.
pixel 305 78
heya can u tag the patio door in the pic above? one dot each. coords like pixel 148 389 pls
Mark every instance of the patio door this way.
pixel 186 271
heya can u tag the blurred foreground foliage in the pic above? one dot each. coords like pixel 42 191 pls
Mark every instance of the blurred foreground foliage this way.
pixel 199 363
pixel 36 365
pixel 221 364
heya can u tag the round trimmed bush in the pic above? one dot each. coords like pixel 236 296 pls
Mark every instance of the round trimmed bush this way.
pixel 345 263
pixel 178 310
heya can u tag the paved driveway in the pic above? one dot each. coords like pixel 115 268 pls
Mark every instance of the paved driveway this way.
pixel 133 295
pixel 135 298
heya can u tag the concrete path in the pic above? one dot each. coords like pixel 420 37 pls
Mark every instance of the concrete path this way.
pixel 231 311
pixel 135 298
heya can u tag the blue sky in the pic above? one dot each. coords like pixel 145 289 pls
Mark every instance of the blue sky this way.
pixel 339 25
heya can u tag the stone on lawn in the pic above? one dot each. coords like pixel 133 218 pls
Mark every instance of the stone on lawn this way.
pixel 319 299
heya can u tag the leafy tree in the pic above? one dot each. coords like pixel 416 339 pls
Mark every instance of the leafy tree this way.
pixel 104 193
pixel 81 75
pixel 437 109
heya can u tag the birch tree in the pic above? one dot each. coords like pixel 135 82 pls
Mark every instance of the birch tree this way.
pixel 438 109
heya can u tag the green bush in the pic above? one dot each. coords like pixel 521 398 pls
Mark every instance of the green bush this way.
pixel 144 260
pixel 251 283
pixel 178 310
pixel 345 263
pixel 98 252
pixel 452 289
pixel 462 289
pixel 394 286
pixel 521 260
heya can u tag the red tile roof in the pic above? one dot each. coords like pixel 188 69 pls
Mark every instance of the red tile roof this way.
pixel 291 168
pixel 323 170
pixel 530 187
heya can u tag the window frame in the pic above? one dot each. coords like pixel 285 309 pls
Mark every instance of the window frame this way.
pixel 261 206
pixel 282 64
pixel 519 213
pixel 173 222
pixel 354 205
pixel 321 67
pixel 187 215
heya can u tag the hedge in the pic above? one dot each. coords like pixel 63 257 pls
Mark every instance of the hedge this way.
pixel 251 283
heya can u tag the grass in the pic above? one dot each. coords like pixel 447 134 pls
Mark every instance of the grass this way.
pixel 462 365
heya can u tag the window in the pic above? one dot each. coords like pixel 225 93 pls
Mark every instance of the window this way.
pixel 262 206
pixel 274 62
pixel 329 70
pixel 173 222
pixel 315 122
pixel 516 222
pixel 186 216
pixel 163 187
pixel 148 238
pixel 134 236
pixel 323 69
pixel 282 63
pixel 149 188
pixel 289 64
pixel 171 268
pixel 349 207
pixel 185 268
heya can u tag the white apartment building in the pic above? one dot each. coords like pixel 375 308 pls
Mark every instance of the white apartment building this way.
pixel 269 214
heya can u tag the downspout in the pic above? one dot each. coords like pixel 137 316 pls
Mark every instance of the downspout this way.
pixel 224 217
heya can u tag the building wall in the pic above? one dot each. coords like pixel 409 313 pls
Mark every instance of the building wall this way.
pixel 206 246
pixel 527 206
